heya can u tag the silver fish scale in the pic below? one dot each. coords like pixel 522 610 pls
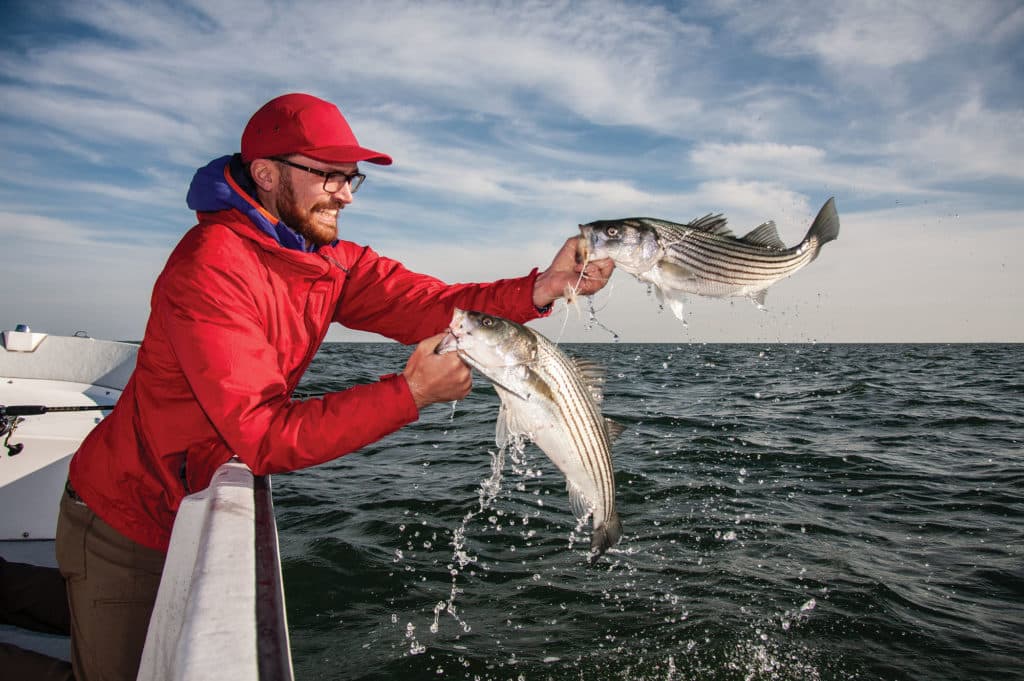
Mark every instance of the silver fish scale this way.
pixel 583 419
pixel 727 261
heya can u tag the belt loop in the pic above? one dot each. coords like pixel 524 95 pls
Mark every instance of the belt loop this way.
pixel 70 491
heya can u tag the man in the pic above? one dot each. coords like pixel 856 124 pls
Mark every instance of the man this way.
pixel 237 315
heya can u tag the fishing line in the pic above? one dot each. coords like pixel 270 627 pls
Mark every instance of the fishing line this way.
pixel 575 289
pixel 594 321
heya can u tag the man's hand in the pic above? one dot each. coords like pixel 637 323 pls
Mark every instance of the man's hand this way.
pixel 436 378
pixel 565 272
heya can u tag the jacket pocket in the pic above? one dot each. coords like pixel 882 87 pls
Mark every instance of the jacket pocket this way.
pixel 72 526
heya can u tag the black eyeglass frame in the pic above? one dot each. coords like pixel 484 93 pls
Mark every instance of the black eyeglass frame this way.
pixel 353 180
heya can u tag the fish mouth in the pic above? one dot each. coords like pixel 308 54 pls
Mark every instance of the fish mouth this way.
pixel 583 251
pixel 450 343
pixel 456 332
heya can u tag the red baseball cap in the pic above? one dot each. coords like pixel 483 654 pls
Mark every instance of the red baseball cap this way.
pixel 303 124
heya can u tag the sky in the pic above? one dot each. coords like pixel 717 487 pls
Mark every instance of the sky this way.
pixel 513 122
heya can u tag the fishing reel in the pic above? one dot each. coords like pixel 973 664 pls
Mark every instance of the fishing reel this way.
pixel 8 424
pixel 12 415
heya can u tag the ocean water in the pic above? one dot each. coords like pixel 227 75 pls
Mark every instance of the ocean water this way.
pixel 790 512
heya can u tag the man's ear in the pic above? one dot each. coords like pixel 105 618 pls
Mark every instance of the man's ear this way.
pixel 264 173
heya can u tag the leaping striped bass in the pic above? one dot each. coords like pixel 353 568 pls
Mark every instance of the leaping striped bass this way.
pixel 552 400
pixel 704 257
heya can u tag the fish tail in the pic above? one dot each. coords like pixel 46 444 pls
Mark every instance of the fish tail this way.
pixel 825 227
pixel 605 536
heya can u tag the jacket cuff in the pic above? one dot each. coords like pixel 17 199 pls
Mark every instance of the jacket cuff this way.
pixel 537 312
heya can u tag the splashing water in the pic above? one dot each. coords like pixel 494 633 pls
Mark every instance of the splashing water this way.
pixel 490 487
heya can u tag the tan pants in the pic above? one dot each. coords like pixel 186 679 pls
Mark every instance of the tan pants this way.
pixel 111 584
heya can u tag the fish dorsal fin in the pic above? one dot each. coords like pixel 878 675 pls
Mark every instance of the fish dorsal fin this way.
pixel 578 502
pixel 613 428
pixel 712 224
pixel 593 375
pixel 764 235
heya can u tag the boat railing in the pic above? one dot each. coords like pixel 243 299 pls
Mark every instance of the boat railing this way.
pixel 221 593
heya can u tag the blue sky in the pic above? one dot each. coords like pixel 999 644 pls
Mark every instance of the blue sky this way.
pixel 511 123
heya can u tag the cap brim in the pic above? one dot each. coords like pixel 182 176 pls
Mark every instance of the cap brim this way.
pixel 346 154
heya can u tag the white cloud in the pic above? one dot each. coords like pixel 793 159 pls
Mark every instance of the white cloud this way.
pixel 872 33
pixel 102 122
pixel 804 166
pixel 511 123
pixel 968 142
pixel 62 277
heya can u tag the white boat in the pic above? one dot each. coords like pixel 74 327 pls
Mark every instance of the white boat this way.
pixel 53 391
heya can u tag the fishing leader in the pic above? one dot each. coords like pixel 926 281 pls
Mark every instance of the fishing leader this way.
pixel 236 316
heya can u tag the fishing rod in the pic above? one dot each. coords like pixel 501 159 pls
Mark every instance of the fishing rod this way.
pixel 12 415
pixel 36 409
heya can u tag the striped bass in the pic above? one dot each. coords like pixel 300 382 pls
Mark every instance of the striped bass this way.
pixel 552 400
pixel 704 257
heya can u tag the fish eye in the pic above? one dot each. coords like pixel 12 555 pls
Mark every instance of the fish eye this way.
pixel 487 321
pixel 612 232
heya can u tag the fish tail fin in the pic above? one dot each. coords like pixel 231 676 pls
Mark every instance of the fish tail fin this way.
pixel 605 536
pixel 825 227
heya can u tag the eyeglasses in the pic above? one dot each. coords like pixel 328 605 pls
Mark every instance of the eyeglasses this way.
pixel 333 181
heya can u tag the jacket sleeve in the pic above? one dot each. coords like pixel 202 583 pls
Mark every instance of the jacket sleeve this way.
pixel 383 296
pixel 210 318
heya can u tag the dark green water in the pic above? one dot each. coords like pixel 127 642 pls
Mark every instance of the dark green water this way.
pixel 790 512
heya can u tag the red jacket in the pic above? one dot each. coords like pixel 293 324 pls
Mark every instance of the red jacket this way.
pixel 235 321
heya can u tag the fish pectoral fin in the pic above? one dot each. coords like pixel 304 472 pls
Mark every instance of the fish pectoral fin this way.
pixel 539 388
pixel 758 298
pixel 672 268
pixel 765 235
pixel 504 387
pixel 613 428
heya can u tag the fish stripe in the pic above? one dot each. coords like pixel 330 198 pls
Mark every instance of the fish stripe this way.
pixel 745 252
pixel 727 273
pixel 725 263
pixel 556 395
pixel 585 427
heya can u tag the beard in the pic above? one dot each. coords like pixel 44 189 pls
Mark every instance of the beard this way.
pixel 317 224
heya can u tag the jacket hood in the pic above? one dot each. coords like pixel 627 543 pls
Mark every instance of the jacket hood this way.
pixel 224 184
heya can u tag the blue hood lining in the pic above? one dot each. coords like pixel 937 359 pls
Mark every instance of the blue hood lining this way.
pixel 210 192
